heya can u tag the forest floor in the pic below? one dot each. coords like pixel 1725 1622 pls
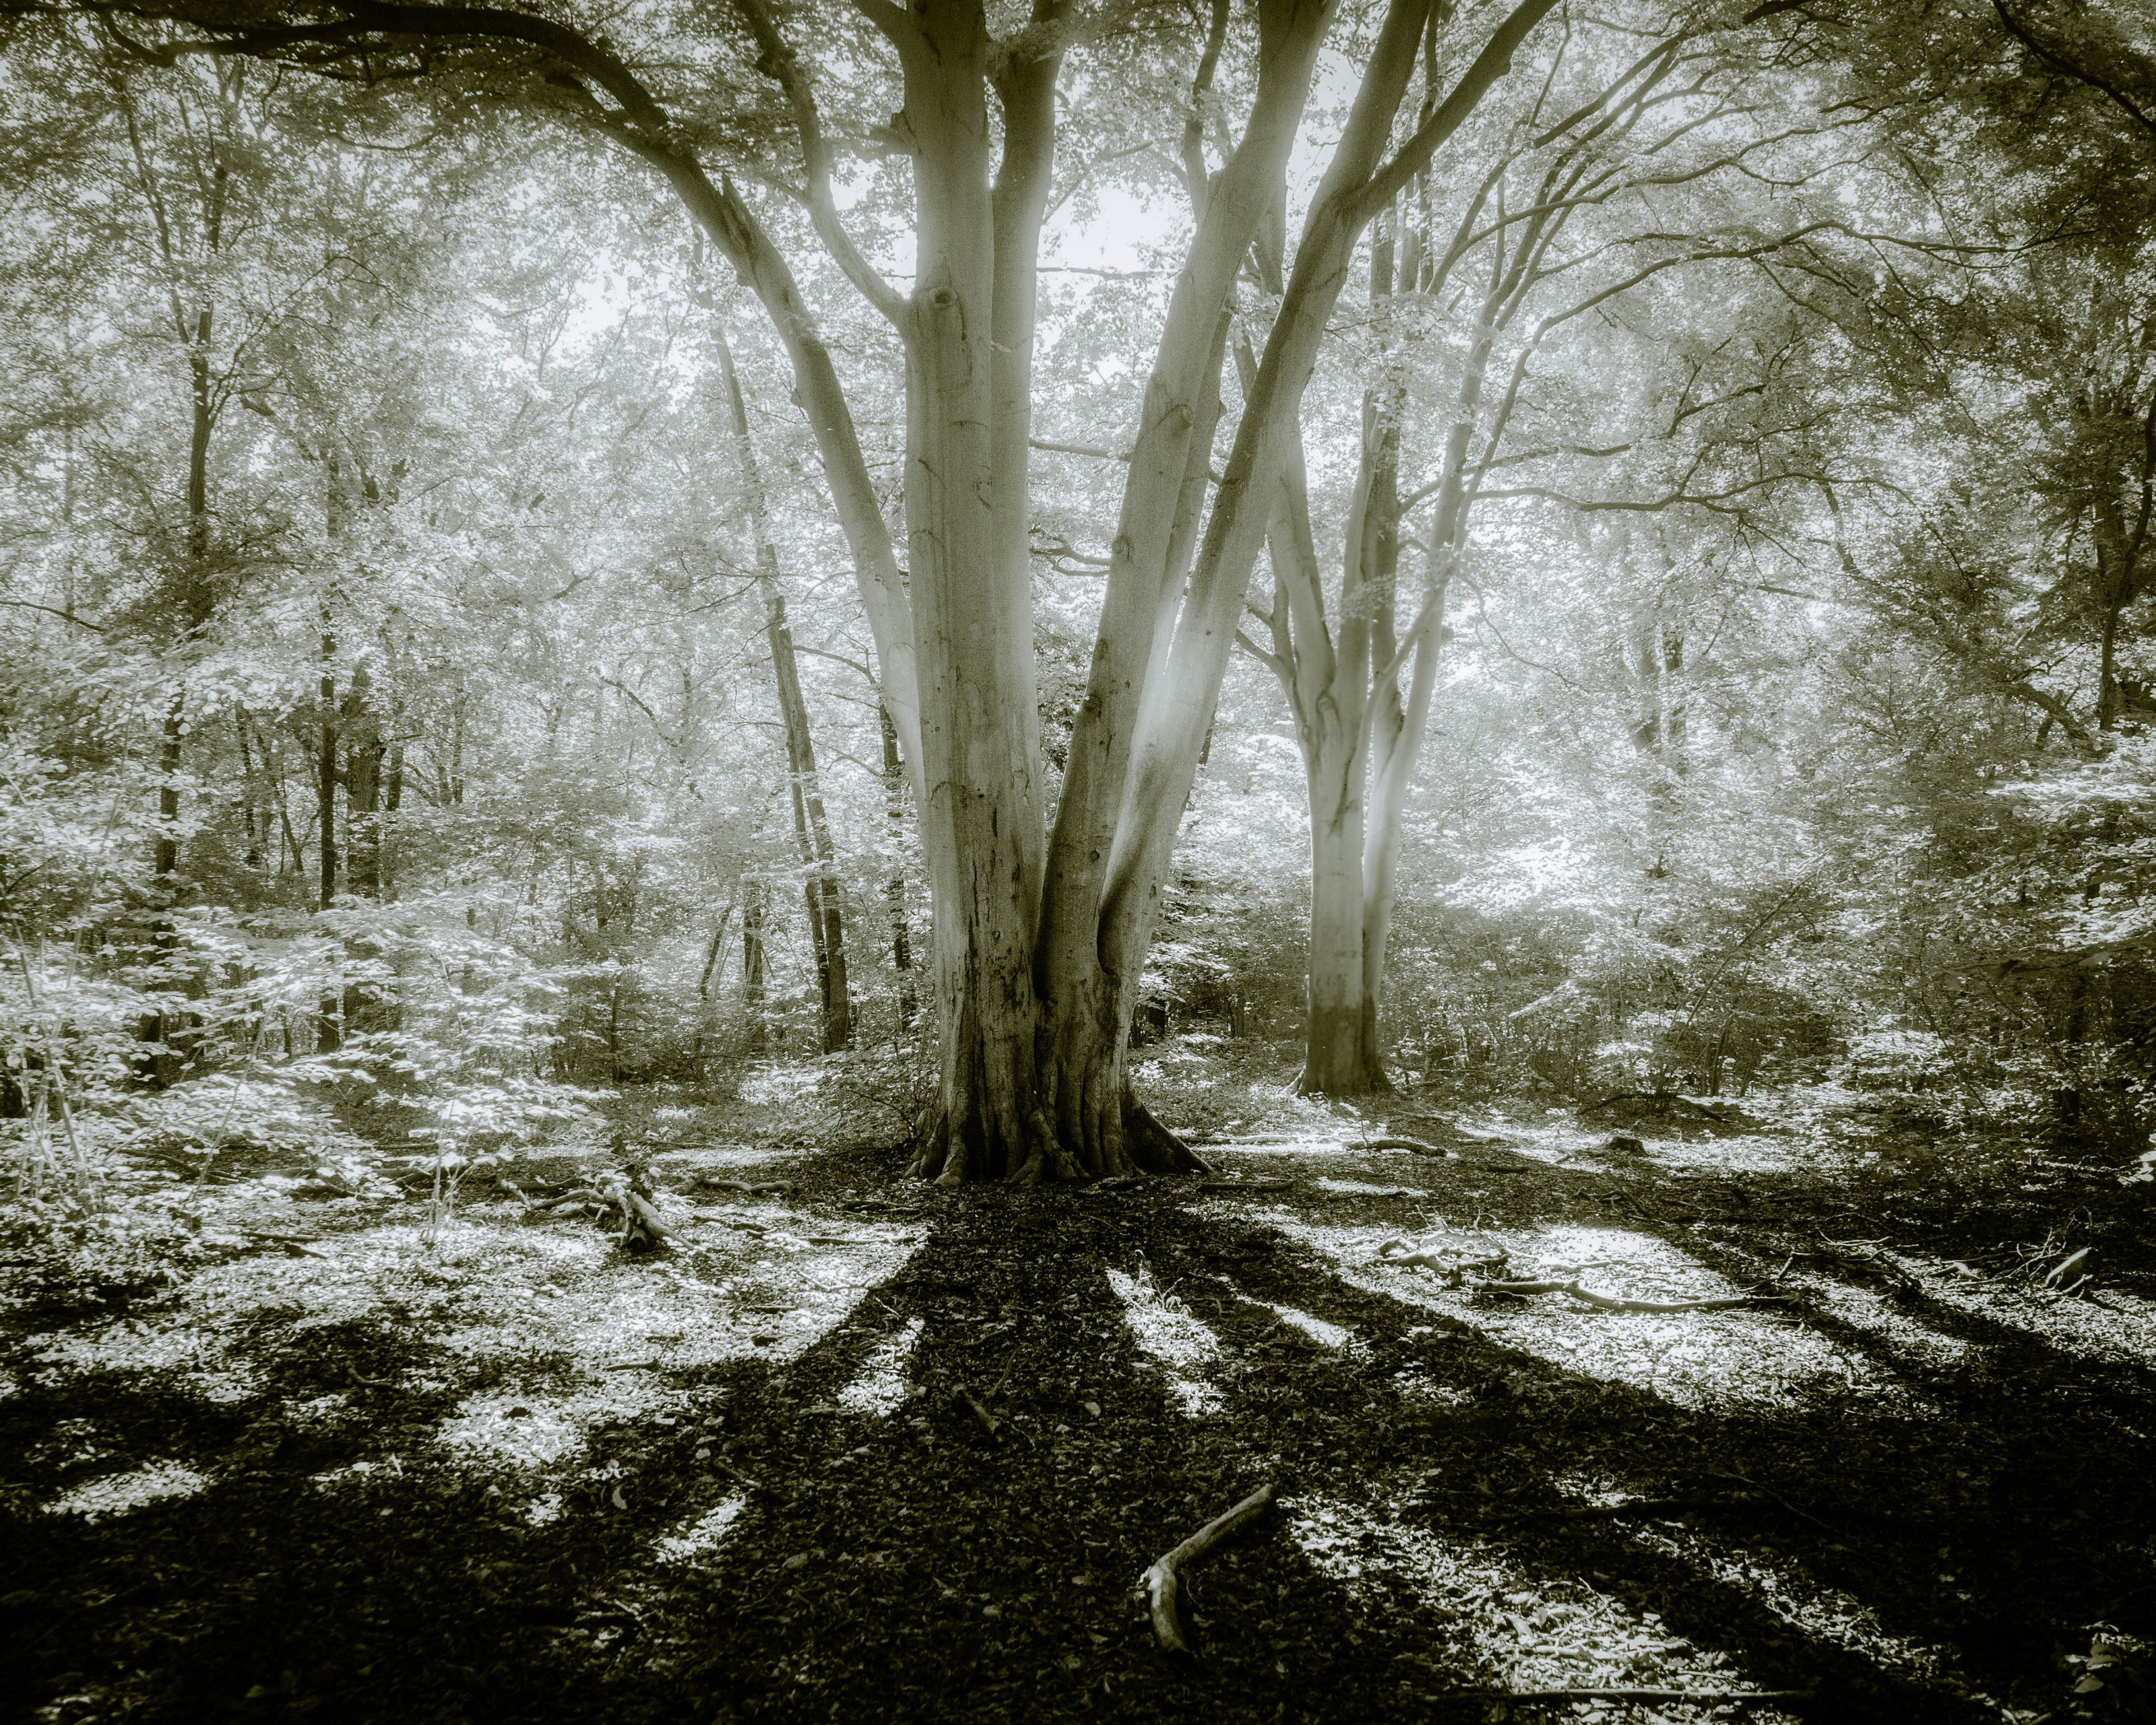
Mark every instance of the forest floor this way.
pixel 322 1470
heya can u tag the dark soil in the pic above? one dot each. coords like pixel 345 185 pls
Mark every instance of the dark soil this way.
pixel 1934 1525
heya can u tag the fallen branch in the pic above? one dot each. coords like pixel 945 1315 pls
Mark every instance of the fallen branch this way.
pixel 1717 1696
pixel 294 1245
pixel 1609 1303
pixel 1245 1185
pixel 706 1184
pixel 653 1224
pixel 990 1423
pixel 1412 1254
pixel 1163 1581
pixel 1416 1145
pixel 1661 1100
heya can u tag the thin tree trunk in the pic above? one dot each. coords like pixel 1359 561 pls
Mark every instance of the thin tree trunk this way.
pixel 392 802
pixel 1333 1063
pixel 249 815
pixel 894 892
pixel 325 776
pixel 752 976
pixel 826 898
pixel 364 752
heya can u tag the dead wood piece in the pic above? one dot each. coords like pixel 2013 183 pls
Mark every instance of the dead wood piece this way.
pixel 990 1423
pixel 1415 1145
pixel 1609 1303
pixel 1450 1131
pixel 707 1183
pixel 1660 1101
pixel 1163 1581
pixel 1216 1140
pixel 293 1245
pixel 1115 1183
pixel 1410 1254
pixel 654 1224
pixel 1717 1696
pixel 1244 1185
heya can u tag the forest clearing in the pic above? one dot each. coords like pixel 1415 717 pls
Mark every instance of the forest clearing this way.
pixel 1271 861
pixel 860 1448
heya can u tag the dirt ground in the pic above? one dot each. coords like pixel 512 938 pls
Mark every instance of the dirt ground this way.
pixel 328 1470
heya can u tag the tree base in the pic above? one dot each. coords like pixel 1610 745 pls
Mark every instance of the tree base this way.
pixel 1371 1081
pixel 1138 1143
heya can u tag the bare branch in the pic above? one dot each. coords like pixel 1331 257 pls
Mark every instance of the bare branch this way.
pixel 777 60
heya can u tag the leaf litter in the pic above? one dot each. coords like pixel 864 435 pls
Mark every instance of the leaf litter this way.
pixel 896 1453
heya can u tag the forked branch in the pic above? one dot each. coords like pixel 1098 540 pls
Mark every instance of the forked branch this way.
pixel 1163 1581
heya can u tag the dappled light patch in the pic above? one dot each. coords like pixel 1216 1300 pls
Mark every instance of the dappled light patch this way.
pixel 1704 1358
pixel 701 1535
pixel 1168 1332
pixel 1832 1616
pixel 1501 1624
pixel 196 1356
pixel 532 1430
pixel 1325 1335
pixel 883 1385
pixel 116 1494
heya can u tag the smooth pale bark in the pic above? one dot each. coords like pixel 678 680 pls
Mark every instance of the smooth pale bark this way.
pixel 1033 960
pixel 981 817
pixel 1084 977
pixel 1177 706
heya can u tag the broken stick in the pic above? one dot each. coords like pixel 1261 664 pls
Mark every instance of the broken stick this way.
pixel 1610 1302
pixel 990 1423
pixel 1163 1581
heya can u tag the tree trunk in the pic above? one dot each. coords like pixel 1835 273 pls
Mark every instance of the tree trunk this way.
pixel 326 778
pixel 752 976
pixel 1333 1061
pixel 393 802
pixel 364 752
pixel 894 892
pixel 822 888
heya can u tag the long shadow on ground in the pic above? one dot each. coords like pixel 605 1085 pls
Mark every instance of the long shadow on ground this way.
pixel 902 1564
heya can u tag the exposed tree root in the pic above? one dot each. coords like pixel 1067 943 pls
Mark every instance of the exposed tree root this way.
pixel 1153 1147
pixel 1163 1581
pixel 1137 1142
